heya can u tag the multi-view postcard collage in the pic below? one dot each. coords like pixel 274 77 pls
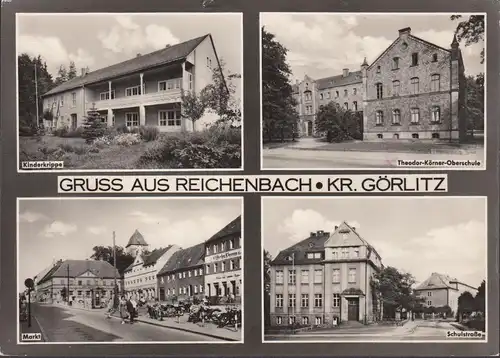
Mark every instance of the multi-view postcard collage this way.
pixel 108 95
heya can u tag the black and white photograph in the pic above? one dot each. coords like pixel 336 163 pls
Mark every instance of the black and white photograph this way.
pixel 374 269
pixel 373 91
pixel 151 270
pixel 126 91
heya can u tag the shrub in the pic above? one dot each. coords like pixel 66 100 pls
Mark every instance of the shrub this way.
pixel 149 134
pixel 134 130
pixel 76 133
pixel 122 128
pixel 60 132
pixel 93 126
pixel 102 142
pixel 127 139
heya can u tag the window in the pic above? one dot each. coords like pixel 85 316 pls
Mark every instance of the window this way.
pixel 209 62
pixel 79 293
pixel 279 320
pixel 223 266
pixel 231 265
pixel 346 106
pixel 169 118
pixel 321 95
pixel 435 135
pixel 201 289
pixel 415 115
pixel 352 275
pixel 395 63
pixel 291 300
pixel 356 252
pixel 336 276
pixel 429 303
pixel 304 300
pixel 429 294
pixel 380 92
pixel 304 276
pixel 355 105
pixel 414 135
pixel 345 93
pixel 305 320
pixel 207 269
pixel 378 69
pixel 354 91
pixel 189 273
pixel 318 276
pixel 415 85
pixel 414 59
pixel 231 244
pixel 105 95
pixel 216 267
pixel 73 97
pixel 308 96
pixel 336 94
pixel 335 254
pixel 279 300
pixel 328 95
pixel 318 321
pixel 279 277
pixel 169 85
pixel 62 101
pixel 379 118
pixel 190 81
pixel 435 85
pixel 395 88
pixel 291 277
pixel 336 300
pixel 180 274
pixel 434 57
pixel 345 253
pixel 291 320
pixel 436 114
pixel 216 248
pixel 135 91
pixel 318 300
pixel 396 117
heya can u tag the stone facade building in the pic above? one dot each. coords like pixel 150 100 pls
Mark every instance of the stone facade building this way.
pixel 441 290
pixel 414 90
pixel 325 279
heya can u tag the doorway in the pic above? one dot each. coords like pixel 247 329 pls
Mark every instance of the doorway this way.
pixel 309 128
pixel 353 309
pixel 73 121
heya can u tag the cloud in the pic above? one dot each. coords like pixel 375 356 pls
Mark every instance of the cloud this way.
pixel 31 217
pixel 58 228
pixel 127 37
pixel 96 230
pixel 147 218
pixel 53 52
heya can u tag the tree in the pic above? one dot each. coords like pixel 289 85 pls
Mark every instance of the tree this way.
pixel 475 102
pixel 27 89
pixel 480 299
pixel 466 305
pixel 471 30
pixel 62 75
pixel 105 253
pixel 395 289
pixel 267 287
pixel 221 94
pixel 194 105
pixel 72 71
pixel 337 123
pixel 93 126
pixel 279 116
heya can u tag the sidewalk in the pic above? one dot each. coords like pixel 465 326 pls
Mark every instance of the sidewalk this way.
pixel 208 329
pixel 407 328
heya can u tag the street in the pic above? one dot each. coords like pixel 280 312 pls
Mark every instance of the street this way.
pixel 59 324
pixel 412 331
pixel 321 159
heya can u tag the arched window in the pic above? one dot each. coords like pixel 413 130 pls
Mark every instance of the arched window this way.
pixel 415 82
pixel 380 91
pixel 435 83
pixel 395 136
pixel 435 57
pixel 395 87
pixel 414 115
pixel 396 117
pixel 395 63
pixel 379 118
pixel 380 136
pixel 436 114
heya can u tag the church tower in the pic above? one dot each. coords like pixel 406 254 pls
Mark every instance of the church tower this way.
pixel 136 244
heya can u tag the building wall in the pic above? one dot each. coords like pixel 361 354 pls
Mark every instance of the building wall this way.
pixel 67 108
pixel 341 99
pixel 176 283
pixel 438 297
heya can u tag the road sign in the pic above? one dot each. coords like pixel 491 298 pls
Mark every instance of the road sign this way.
pixel 29 283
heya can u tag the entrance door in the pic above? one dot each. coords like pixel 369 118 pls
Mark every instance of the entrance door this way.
pixel 73 121
pixel 353 309
pixel 309 127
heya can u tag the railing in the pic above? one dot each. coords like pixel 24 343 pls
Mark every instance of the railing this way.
pixel 171 96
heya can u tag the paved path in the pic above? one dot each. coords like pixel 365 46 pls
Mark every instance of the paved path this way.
pixel 281 158
pixel 416 330
pixel 60 324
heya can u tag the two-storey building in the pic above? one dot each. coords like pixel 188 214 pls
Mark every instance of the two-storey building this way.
pixel 182 276
pixel 325 279
pixel 78 280
pixel 441 290
pixel 223 262
pixel 414 90
pixel 142 91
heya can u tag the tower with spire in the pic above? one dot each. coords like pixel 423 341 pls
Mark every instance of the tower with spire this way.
pixel 136 244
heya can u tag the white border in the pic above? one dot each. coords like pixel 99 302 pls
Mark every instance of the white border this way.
pixel 167 198
pixel 484 164
pixel 76 170
pixel 334 341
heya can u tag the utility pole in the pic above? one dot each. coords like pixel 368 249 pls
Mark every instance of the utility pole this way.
pixel 114 265
pixel 67 293
pixel 36 94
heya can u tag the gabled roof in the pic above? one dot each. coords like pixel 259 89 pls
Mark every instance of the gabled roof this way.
pixel 50 272
pixel 101 269
pixel 155 256
pixel 164 56
pixel 314 243
pixel 335 240
pixel 339 80
pixel 184 259
pixel 234 227
pixel 136 239
pixel 418 39
pixel 438 280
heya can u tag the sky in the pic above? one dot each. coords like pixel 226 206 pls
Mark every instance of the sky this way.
pixel 420 236
pixel 321 45
pixel 52 229
pixel 101 40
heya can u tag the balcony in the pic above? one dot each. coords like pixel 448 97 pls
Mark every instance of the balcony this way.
pixel 147 99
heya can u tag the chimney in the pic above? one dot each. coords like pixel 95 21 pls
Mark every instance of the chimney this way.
pixel 313 233
pixel 167 45
pixel 345 72
pixel 405 31
pixel 336 227
pixel 320 232
pixel 138 55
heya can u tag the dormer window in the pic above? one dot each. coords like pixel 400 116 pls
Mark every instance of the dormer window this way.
pixel 434 57
pixel 378 69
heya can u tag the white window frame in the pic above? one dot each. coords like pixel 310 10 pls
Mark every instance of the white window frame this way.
pixel 292 277
pixel 318 278
pixel 106 95
pixel 73 98
pixel 336 300
pixel 351 276
pixel 190 81
pixel 415 85
pixel 175 83
pixel 396 117
pixel 231 265
pixel 396 87
pixel 292 300
pixel 304 276
pixel 132 121
pixel 435 82
pixel 165 121
pixel 318 300
pixel 279 300
pixel 414 115
pixel 61 100
pixel 138 87
pixel 304 300
pixel 336 276
pixel 436 114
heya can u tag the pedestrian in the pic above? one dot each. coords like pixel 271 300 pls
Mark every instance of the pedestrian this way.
pixel 131 310
pixel 110 307
pixel 123 309
pixel 231 298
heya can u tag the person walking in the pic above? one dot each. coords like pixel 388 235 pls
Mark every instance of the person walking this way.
pixel 110 307
pixel 131 310
pixel 123 308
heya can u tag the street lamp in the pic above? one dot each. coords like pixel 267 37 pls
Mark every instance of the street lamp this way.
pixel 30 284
